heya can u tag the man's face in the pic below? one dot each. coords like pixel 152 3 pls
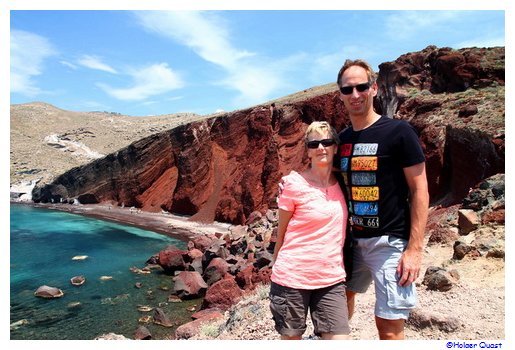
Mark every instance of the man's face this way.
pixel 357 103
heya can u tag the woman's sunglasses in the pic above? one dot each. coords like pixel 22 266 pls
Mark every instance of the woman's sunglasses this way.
pixel 347 90
pixel 325 142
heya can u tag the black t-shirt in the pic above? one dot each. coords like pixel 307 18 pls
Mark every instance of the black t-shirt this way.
pixel 371 162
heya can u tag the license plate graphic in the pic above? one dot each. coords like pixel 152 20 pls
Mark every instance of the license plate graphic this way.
pixel 365 208
pixel 364 194
pixel 363 163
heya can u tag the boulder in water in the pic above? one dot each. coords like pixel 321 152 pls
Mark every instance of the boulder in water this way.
pixel 142 333
pixel 161 318
pixel 78 280
pixel 80 257
pixel 48 292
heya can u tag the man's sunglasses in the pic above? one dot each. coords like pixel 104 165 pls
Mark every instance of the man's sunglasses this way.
pixel 347 90
pixel 325 142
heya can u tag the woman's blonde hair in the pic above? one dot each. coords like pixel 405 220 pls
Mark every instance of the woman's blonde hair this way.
pixel 319 126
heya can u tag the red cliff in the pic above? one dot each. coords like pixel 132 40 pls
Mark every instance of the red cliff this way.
pixel 228 166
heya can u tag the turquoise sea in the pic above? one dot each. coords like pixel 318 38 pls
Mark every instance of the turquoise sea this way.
pixel 42 245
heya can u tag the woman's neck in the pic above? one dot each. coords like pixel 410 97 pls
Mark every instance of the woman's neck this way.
pixel 320 175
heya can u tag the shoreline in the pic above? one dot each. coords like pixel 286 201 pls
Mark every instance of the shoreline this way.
pixel 175 226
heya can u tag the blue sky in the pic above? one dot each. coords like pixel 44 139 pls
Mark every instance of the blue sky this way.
pixel 143 63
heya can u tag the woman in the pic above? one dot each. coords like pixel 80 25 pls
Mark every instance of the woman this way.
pixel 308 270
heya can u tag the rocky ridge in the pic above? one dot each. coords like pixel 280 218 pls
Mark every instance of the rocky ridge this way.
pixel 227 166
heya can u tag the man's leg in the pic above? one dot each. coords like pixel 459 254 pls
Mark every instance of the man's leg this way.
pixel 291 337
pixel 390 329
pixel 393 302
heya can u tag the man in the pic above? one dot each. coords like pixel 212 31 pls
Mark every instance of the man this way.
pixel 384 171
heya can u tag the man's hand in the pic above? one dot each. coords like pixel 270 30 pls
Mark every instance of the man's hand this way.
pixel 409 266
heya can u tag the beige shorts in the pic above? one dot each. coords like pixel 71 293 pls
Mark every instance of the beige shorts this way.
pixel 376 259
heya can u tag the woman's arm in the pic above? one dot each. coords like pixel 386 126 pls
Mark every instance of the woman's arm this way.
pixel 284 219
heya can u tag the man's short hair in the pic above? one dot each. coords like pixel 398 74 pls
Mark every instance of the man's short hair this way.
pixel 361 63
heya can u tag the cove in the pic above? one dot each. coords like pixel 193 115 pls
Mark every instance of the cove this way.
pixel 42 245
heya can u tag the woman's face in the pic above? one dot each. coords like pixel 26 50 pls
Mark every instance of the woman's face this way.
pixel 324 151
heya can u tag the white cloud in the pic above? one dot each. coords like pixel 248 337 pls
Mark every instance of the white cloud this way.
pixel 255 84
pixel 94 62
pixel 68 64
pixel 92 105
pixel 149 103
pixel 407 24
pixel 175 98
pixel 28 52
pixel 148 81
pixel 204 32
pixel 329 64
pixel 481 42
pixel 209 37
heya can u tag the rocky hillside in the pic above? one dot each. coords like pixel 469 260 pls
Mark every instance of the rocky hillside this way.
pixel 224 167
pixel 47 141
pixel 461 290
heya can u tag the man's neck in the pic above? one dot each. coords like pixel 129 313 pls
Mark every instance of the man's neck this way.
pixel 360 122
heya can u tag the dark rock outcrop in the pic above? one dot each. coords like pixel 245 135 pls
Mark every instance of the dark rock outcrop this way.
pixel 437 278
pixel 189 284
pixel 437 70
pixel 223 294
pixel 421 319
pixel 171 259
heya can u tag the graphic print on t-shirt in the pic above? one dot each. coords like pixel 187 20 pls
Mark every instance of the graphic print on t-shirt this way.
pixel 361 163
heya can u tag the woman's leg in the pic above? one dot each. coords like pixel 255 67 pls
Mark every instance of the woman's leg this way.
pixel 331 336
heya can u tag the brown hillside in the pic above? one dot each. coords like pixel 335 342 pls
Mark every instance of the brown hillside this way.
pixel 47 141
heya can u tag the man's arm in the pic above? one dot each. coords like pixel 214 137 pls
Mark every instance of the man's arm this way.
pixel 411 259
pixel 284 219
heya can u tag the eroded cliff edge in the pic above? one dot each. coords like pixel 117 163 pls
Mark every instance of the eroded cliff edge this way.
pixel 225 167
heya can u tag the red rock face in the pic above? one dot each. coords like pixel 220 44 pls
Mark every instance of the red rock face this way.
pixel 223 168
pixel 226 167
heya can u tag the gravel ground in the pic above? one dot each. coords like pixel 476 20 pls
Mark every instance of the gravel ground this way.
pixel 477 303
